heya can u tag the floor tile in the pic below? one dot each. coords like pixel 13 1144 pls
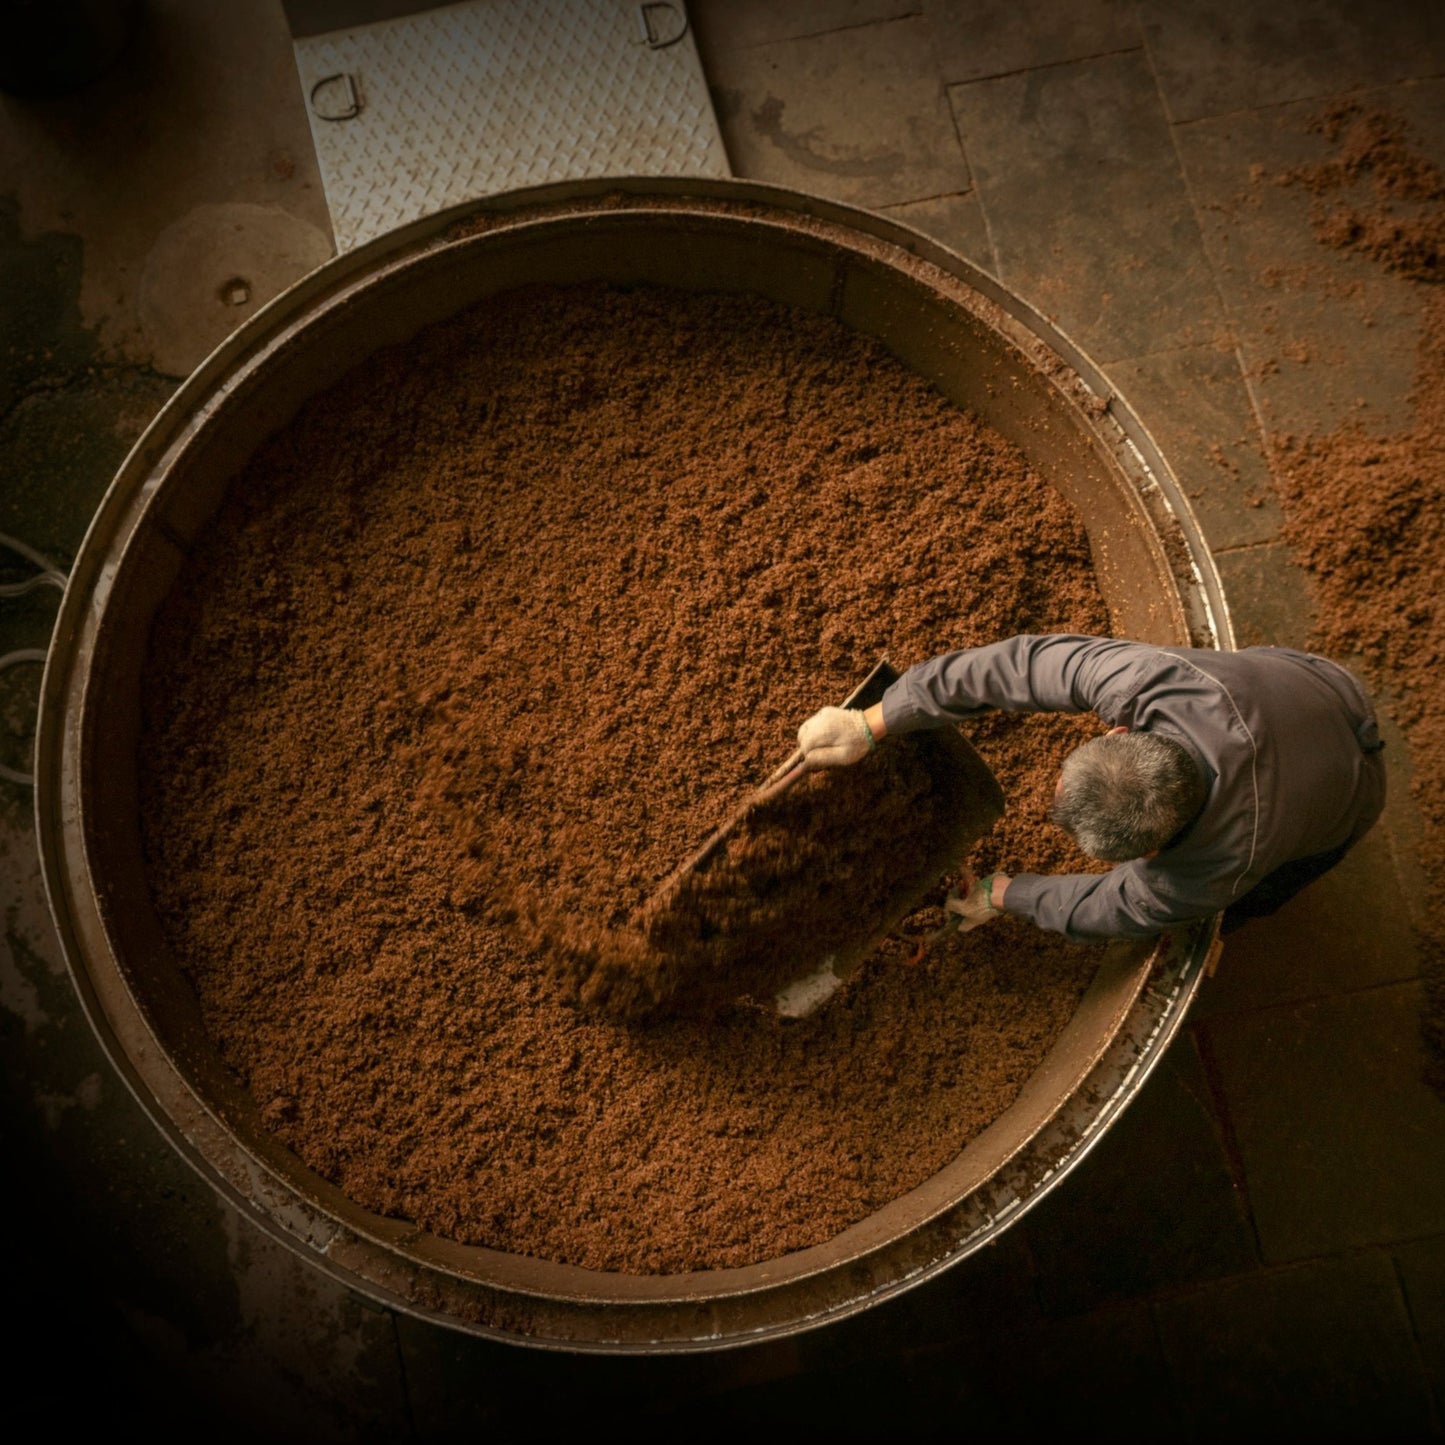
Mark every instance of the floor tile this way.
pixel 1325 336
pixel 1073 1374
pixel 999 37
pixel 885 1397
pixel 1421 1267
pixel 66 423
pixel 1153 1206
pixel 1340 1137
pixel 858 115
pixel 1322 1351
pixel 991 1289
pixel 462 1386
pixel 1268 596
pixel 309 1361
pixel 65 446
pixel 1195 404
pixel 316 17
pixel 1314 945
pixel 1229 55
pixel 459 1384
pixel 1403 823
pixel 954 221
pixel 739 24
pixel 1079 180
pixel 1018 1376
pixel 41 333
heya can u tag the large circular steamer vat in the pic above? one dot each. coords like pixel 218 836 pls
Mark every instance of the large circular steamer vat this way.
pixel 979 345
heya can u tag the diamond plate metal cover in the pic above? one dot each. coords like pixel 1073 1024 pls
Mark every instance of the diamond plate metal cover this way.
pixel 410 116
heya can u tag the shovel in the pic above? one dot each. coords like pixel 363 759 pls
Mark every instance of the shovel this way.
pixel 783 777
pixel 813 922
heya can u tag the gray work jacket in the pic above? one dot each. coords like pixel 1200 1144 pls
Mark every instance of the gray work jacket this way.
pixel 1286 742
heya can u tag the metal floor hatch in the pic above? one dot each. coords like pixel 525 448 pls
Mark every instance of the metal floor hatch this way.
pixel 415 114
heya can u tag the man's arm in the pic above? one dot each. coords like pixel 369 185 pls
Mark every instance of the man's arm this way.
pixel 1134 900
pixel 1062 672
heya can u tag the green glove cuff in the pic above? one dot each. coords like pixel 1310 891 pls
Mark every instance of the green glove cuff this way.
pixel 987 885
pixel 867 731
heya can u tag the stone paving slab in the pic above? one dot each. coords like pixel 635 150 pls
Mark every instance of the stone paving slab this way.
pixel 67 418
pixel 42 337
pixel 1153 1206
pixel 1232 55
pixel 1019 1377
pixel 955 221
pixel 1326 337
pixel 1196 406
pixel 65 445
pixel 25 625
pixel 1314 946
pixel 1421 1268
pixel 856 114
pixel 1320 1351
pixel 1077 174
pixel 315 17
pixel 1340 1137
pixel 989 1290
pixel 1073 1374
pixel 881 1398
pixel 1403 824
pixel 981 38
pixel 1269 598
pixel 740 24
pixel 306 1360
pixel 461 1386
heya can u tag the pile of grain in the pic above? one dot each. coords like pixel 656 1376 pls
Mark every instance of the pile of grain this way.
pixel 571 569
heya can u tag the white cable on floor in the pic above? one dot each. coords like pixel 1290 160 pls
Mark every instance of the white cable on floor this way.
pixel 49 575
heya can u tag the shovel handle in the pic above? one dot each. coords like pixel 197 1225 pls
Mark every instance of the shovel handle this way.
pixel 782 778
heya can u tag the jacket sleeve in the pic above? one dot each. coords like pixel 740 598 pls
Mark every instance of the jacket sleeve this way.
pixel 1135 900
pixel 1055 672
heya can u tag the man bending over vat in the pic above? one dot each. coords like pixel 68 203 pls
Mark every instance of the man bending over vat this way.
pixel 1227 781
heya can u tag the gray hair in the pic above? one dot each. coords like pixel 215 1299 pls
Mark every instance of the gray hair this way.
pixel 1126 795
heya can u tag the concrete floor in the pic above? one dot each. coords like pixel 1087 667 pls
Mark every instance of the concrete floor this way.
pixel 1261 1240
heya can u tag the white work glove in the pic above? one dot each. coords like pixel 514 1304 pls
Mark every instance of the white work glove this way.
pixel 974 908
pixel 834 737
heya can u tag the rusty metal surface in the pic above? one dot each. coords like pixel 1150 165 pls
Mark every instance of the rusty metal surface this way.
pixel 980 345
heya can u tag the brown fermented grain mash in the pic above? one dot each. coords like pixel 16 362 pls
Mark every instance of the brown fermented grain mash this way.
pixel 523 608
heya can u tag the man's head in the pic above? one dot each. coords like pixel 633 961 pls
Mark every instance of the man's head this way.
pixel 1125 795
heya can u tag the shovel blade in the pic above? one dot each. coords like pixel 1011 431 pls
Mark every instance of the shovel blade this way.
pixel 787 898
